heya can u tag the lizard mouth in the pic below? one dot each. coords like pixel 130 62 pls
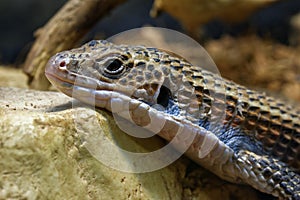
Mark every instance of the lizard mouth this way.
pixel 78 86
pixel 63 79
pixel 89 93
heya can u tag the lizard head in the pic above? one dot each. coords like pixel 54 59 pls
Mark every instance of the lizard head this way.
pixel 139 72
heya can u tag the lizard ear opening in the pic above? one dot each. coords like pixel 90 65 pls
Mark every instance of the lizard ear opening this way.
pixel 164 96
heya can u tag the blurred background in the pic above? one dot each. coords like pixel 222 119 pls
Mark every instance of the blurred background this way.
pixel 19 19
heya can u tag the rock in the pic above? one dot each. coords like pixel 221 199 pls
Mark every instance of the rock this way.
pixel 44 156
pixel 10 76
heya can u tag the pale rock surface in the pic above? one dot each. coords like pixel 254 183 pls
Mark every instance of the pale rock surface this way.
pixel 43 156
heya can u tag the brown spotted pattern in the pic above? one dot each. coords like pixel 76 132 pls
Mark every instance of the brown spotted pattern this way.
pixel 140 73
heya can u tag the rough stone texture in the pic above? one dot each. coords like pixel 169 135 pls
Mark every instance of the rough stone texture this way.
pixel 43 157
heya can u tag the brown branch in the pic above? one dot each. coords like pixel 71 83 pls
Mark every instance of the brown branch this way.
pixel 69 24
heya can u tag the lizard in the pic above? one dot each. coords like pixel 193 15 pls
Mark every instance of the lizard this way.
pixel 241 135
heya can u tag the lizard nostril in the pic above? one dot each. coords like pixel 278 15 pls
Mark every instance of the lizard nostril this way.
pixel 62 64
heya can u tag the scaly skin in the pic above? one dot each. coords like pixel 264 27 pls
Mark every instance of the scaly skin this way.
pixel 241 135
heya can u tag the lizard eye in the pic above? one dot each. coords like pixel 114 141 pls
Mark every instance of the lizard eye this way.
pixel 114 68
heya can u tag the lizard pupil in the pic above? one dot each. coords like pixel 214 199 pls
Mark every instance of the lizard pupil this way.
pixel 114 67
